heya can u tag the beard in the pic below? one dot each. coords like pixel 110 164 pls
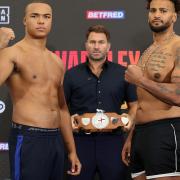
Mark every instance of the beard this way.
pixel 159 29
pixel 97 59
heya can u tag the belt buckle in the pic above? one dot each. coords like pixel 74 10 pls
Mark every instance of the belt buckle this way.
pixel 100 120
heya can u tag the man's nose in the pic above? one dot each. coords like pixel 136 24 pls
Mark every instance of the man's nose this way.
pixel 40 20
pixel 157 14
pixel 96 45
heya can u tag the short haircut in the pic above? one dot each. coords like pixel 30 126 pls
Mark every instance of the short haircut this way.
pixel 36 1
pixel 175 2
pixel 98 29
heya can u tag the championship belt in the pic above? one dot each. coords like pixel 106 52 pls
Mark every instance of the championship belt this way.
pixel 100 121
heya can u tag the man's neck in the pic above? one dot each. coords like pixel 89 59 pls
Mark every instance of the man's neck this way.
pixel 96 66
pixel 160 38
pixel 36 43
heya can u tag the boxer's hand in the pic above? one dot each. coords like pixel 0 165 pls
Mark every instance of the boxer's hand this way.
pixel 134 74
pixel 126 152
pixel 6 34
pixel 73 121
pixel 75 164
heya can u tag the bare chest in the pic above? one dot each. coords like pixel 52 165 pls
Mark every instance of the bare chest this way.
pixel 38 69
pixel 157 63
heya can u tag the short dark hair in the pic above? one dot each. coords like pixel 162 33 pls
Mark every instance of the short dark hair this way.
pixel 175 2
pixel 98 29
pixel 36 1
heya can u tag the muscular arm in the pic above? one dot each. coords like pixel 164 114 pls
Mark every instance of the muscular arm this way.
pixel 66 130
pixel 65 124
pixel 6 34
pixel 6 64
pixel 126 151
pixel 132 107
pixel 65 121
pixel 167 92
pixel 6 55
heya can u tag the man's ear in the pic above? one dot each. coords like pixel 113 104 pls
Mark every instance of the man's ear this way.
pixel 109 46
pixel 24 21
pixel 174 19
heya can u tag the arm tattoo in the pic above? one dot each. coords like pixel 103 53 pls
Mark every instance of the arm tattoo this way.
pixel 177 60
pixel 175 78
pixel 163 89
pixel 178 89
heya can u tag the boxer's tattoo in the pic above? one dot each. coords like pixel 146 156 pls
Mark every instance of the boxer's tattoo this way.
pixel 175 78
pixel 178 89
pixel 157 65
pixel 154 69
pixel 158 60
pixel 177 61
pixel 164 89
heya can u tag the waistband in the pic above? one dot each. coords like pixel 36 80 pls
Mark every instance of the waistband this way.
pixel 158 122
pixel 31 129
pixel 117 131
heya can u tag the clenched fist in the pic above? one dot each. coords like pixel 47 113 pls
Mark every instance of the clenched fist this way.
pixel 6 34
pixel 134 75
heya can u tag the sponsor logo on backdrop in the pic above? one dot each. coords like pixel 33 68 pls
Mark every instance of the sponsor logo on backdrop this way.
pixel 4 14
pixel 2 106
pixel 101 14
pixel 4 146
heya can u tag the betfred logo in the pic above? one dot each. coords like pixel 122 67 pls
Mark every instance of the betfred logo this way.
pixel 4 147
pixel 4 14
pixel 105 14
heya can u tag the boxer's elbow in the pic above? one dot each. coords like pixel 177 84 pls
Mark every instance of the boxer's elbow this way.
pixel 176 100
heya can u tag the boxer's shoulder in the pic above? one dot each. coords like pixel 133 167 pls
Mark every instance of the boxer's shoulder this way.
pixel 57 59
pixel 176 43
pixel 9 53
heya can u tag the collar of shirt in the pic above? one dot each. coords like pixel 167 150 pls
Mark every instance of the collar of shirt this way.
pixel 105 65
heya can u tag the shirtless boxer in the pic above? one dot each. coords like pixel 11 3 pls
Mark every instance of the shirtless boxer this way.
pixel 155 147
pixel 34 76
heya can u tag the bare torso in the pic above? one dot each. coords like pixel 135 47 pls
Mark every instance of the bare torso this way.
pixel 34 86
pixel 157 64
